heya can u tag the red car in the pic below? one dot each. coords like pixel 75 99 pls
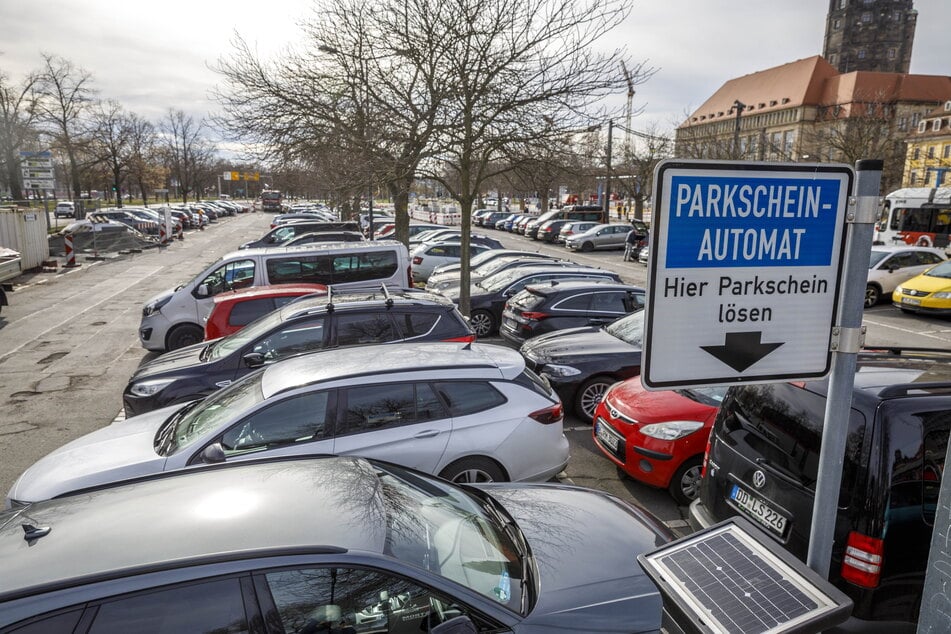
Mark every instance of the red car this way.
pixel 657 438
pixel 233 311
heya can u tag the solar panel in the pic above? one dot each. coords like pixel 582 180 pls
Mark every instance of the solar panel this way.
pixel 733 579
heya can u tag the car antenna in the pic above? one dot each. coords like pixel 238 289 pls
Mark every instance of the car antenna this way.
pixel 386 294
pixel 330 299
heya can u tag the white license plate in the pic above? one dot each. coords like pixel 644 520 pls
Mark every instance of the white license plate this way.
pixel 510 323
pixel 606 437
pixel 911 300
pixel 758 510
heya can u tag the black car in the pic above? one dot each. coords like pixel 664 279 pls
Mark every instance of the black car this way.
pixel 487 298
pixel 325 236
pixel 762 460
pixel 557 305
pixel 282 233
pixel 547 231
pixel 309 324
pixel 582 363
pixel 483 265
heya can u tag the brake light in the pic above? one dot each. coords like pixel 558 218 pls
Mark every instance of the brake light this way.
pixel 466 339
pixel 706 456
pixel 417 260
pixel 535 316
pixel 862 564
pixel 549 415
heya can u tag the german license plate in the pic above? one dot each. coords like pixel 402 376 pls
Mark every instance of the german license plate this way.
pixel 758 510
pixel 510 323
pixel 911 300
pixel 606 437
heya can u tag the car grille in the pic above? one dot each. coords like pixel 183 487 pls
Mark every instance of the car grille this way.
pixel 915 293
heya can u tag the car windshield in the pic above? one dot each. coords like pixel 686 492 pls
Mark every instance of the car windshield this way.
pixel 494 266
pixel 876 257
pixel 942 270
pixel 463 536
pixel 195 420
pixel 706 395
pixel 629 329
pixel 500 280
pixel 235 341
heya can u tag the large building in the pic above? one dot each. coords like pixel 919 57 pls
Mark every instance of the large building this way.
pixel 871 35
pixel 928 157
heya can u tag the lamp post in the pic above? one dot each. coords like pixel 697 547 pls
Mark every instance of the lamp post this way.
pixel 607 178
pixel 739 106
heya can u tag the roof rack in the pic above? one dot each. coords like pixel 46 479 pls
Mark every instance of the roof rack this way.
pixel 330 298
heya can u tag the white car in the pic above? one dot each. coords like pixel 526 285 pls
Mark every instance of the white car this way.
pixel 429 255
pixel 889 266
pixel 466 412
pixel 65 209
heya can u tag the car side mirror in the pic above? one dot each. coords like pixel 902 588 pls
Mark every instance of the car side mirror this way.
pixel 213 454
pixel 202 290
pixel 253 359
pixel 893 267
pixel 456 625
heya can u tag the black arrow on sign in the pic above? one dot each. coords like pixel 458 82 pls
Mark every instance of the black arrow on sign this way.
pixel 740 350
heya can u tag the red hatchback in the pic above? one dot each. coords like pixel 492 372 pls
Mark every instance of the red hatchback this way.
pixel 657 438
pixel 233 311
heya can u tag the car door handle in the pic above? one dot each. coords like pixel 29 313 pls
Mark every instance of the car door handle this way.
pixel 223 383
pixel 429 433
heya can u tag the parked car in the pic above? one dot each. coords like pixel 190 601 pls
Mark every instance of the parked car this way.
pixel 236 309
pixel 429 255
pixel 488 269
pixel 657 437
pixel 369 545
pixel 466 412
pixel 325 236
pixel 454 235
pixel 316 323
pixel 288 231
pixel 488 297
pixel 643 257
pixel 502 223
pixel 582 363
pixel 547 231
pixel 762 462
pixel 558 305
pixel 482 265
pixel 599 237
pixel 316 216
pixel 143 225
pixel 491 220
pixel 64 209
pixel 388 231
pixel 572 228
pixel 523 223
pixel 891 266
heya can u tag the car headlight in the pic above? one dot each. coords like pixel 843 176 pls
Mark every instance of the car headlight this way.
pixel 672 430
pixel 561 370
pixel 154 307
pixel 899 290
pixel 148 388
pixel 942 295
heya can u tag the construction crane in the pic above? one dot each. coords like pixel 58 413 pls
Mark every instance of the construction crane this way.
pixel 627 111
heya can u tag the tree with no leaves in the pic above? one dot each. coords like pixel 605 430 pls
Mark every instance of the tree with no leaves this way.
pixel 185 150
pixel 17 112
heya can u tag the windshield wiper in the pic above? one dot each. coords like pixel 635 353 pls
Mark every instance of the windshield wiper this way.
pixel 163 438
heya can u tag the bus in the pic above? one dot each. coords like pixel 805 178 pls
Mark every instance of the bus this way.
pixel 915 215
pixel 271 200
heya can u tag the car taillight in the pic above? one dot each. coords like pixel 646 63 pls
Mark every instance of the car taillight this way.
pixel 417 260
pixel 548 415
pixel 534 316
pixel 466 339
pixel 862 564
pixel 706 456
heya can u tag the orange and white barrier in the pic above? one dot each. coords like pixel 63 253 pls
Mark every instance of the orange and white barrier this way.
pixel 70 253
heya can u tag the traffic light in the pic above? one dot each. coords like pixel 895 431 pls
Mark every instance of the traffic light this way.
pixel 113 188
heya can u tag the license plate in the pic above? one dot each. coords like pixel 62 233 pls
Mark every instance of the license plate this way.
pixel 606 437
pixel 758 510
pixel 911 300
pixel 510 323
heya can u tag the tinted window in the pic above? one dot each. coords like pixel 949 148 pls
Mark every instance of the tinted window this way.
pixel 361 267
pixel 363 328
pixel 64 622
pixel 417 324
pixel 372 407
pixel 578 302
pixel 292 420
pixel 925 258
pixel 937 426
pixel 469 397
pixel 609 302
pixel 228 277
pixel 214 606
pixel 301 336
pixel 243 313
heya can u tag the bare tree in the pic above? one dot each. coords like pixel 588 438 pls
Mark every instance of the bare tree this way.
pixel 636 171
pixel 143 158
pixel 110 142
pixel 66 92
pixel 17 112
pixel 185 151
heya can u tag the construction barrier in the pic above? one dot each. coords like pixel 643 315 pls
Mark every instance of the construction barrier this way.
pixel 163 239
pixel 70 253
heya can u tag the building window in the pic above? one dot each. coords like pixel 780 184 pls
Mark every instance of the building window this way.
pixel 867 17
pixel 868 2
pixel 896 16
pixel 914 179
pixel 931 152
pixel 836 24
pixel 947 152
pixel 892 53
pixel 903 123
pixel 843 3
pixel 916 153
pixel 936 125
pixel 922 126
pixel 861 54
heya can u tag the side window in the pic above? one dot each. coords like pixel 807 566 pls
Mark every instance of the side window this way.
pixel 228 277
pixel 371 407
pixel 354 600
pixel 416 324
pixel 299 269
pixel 469 397
pixel 439 251
pixel 362 328
pixel 925 258
pixel 581 302
pixel 902 260
pixel 54 624
pixel 292 420
pixel 302 336
pixel 608 302
pixel 637 300
pixel 281 235
pixel 362 267
pixel 937 427
pixel 212 606
pixel 244 313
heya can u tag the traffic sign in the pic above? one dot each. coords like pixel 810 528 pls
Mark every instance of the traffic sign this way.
pixel 744 272
pixel 38 183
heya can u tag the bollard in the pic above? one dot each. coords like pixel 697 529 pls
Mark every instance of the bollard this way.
pixel 70 254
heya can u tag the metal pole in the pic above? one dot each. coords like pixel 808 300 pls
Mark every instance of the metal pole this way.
pixel 370 191
pixel 607 178
pixel 739 106
pixel 847 335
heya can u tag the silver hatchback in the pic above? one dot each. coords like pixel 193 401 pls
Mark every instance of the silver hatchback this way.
pixel 609 236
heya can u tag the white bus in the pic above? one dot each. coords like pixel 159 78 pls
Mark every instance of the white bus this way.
pixel 915 215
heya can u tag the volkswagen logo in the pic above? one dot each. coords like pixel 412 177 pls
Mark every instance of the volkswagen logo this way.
pixel 759 479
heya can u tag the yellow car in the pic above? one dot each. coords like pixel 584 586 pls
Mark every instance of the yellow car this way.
pixel 929 292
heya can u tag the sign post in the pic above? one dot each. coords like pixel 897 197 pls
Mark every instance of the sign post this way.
pixel 745 271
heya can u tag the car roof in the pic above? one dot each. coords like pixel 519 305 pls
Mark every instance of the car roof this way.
pixel 486 360
pixel 274 290
pixel 525 271
pixel 360 298
pixel 316 246
pixel 557 286
pixel 227 511
pixel 888 248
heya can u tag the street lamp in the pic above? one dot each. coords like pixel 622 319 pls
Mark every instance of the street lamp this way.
pixel 739 106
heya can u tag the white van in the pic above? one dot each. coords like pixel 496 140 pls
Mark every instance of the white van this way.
pixel 176 318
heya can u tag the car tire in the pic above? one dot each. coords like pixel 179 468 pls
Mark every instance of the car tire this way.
pixel 590 394
pixel 684 487
pixel 873 295
pixel 184 335
pixel 587 247
pixel 473 469
pixel 482 323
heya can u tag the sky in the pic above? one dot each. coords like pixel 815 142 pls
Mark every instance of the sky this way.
pixel 153 56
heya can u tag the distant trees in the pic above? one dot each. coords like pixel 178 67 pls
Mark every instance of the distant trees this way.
pixel 18 103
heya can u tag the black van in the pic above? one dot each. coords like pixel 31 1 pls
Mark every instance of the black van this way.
pixel 762 461
pixel 592 213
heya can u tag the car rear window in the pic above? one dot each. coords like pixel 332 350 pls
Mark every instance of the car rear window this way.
pixel 535 383
pixel 244 313
pixel 469 397
pixel 526 300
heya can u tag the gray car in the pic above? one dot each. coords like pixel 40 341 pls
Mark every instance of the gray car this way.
pixel 600 237
pixel 328 544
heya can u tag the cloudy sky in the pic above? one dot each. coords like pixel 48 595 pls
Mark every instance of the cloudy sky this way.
pixel 152 56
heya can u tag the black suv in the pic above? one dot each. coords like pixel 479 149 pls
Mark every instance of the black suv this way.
pixel 557 305
pixel 310 324
pixel 762 461
pixel 282 233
